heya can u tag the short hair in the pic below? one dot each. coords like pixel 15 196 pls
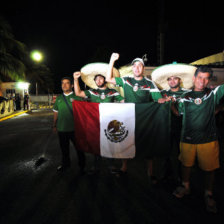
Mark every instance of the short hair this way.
pixel 204 69
pixel 99 75
pixel 68 78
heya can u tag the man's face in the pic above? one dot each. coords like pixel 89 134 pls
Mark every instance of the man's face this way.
pixel 138 69
pixel 100 81
pixel 173 82
pixel 201 81
pixel 66 85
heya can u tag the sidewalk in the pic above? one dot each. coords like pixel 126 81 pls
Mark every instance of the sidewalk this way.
pixel 15 113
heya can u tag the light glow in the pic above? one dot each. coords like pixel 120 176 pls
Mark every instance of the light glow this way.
pixel 36 56
pixel 23 85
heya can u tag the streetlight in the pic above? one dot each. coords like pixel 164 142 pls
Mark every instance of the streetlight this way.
pixel 36 56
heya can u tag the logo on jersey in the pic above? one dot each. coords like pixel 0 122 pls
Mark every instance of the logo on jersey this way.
pixel 102 96
pixel 135 88
pixel 116 131
pixel 198 101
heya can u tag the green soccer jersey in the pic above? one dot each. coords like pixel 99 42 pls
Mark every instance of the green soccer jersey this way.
pixel 138 91
pixel 176 121
pixel 176 95
pixel 65 122
pixel 198 109
pixel 103 95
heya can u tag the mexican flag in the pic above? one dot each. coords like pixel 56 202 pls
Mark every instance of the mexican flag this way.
pixel 122 130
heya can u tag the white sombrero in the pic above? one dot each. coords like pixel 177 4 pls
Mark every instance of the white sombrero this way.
pixel 184 71
pixel 89 71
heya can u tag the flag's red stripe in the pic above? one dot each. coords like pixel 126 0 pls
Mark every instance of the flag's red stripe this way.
pixel 87 126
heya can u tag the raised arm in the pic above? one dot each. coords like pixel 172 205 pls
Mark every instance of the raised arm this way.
pixel 78 91
pixel 110 77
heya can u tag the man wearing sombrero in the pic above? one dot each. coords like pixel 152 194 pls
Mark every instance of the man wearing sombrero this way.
pixel 137 89
pixel 94 77
pixel 169 77
pixel 102 94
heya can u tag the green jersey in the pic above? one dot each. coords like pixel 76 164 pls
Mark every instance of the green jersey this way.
pixel 176 95
pixel 103 95
pixel 176 121
pixel 198 109
pixel 65 118
pixel 138 91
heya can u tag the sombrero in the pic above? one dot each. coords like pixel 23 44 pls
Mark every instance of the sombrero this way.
pixel 89 71
pixel 126 70
pixel 184 71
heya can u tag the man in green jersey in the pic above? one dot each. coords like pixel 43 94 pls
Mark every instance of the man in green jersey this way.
pixel 198 134
pixel 137 89
pixel 174 93
pixel 63 124
pixel 102 94
pixel 174 79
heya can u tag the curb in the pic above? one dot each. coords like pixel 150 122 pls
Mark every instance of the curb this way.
pixel 13 115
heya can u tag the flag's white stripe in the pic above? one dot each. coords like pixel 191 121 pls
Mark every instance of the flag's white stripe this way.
pixel 117 123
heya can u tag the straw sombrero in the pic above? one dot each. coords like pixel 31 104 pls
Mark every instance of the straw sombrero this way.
pixel 89 71
pixel 184 71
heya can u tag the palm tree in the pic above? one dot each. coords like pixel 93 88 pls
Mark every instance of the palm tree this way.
pixel 12 53
pixel 15 63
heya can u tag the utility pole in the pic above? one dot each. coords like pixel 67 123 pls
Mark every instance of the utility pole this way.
pixel 160 32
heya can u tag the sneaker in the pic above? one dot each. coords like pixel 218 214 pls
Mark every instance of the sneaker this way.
pixel 181 191
pixel 210 204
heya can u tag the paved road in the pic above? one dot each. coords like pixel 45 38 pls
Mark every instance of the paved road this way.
pixel 41 195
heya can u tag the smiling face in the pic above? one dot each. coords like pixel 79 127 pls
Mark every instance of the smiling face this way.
pixel 174 82
pixel 138 69
pixel 201 81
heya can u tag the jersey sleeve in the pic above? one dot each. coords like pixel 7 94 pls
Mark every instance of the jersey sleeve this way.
pixel 118 97
pixel 156 94
pixel 87 93
pixel 55 107
pixel 218 93
pixel 119 81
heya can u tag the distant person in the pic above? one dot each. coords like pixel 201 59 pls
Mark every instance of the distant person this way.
pixel 64 126
pixel 26 101
pixel 199 136
pixel 18 101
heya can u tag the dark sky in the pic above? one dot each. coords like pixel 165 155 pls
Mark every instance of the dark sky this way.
pixel 73 34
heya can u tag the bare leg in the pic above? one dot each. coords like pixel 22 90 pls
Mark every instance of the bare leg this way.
pixel 185 172
pixel 209 181
pixel 124 166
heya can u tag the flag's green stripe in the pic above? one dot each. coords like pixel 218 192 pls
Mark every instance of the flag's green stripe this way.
pixel 152 131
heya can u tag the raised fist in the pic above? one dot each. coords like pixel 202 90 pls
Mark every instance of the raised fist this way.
pixel 114 56
pixel 76 75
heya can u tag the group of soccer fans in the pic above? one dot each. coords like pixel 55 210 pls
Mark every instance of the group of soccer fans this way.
pixel 193 124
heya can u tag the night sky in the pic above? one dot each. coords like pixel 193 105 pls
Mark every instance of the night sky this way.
pixel 72 35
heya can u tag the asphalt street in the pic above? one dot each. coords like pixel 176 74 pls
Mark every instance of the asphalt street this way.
pixel 41 195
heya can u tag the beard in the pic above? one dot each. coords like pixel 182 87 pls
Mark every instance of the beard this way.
pixel 174 87
pixel 102 85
